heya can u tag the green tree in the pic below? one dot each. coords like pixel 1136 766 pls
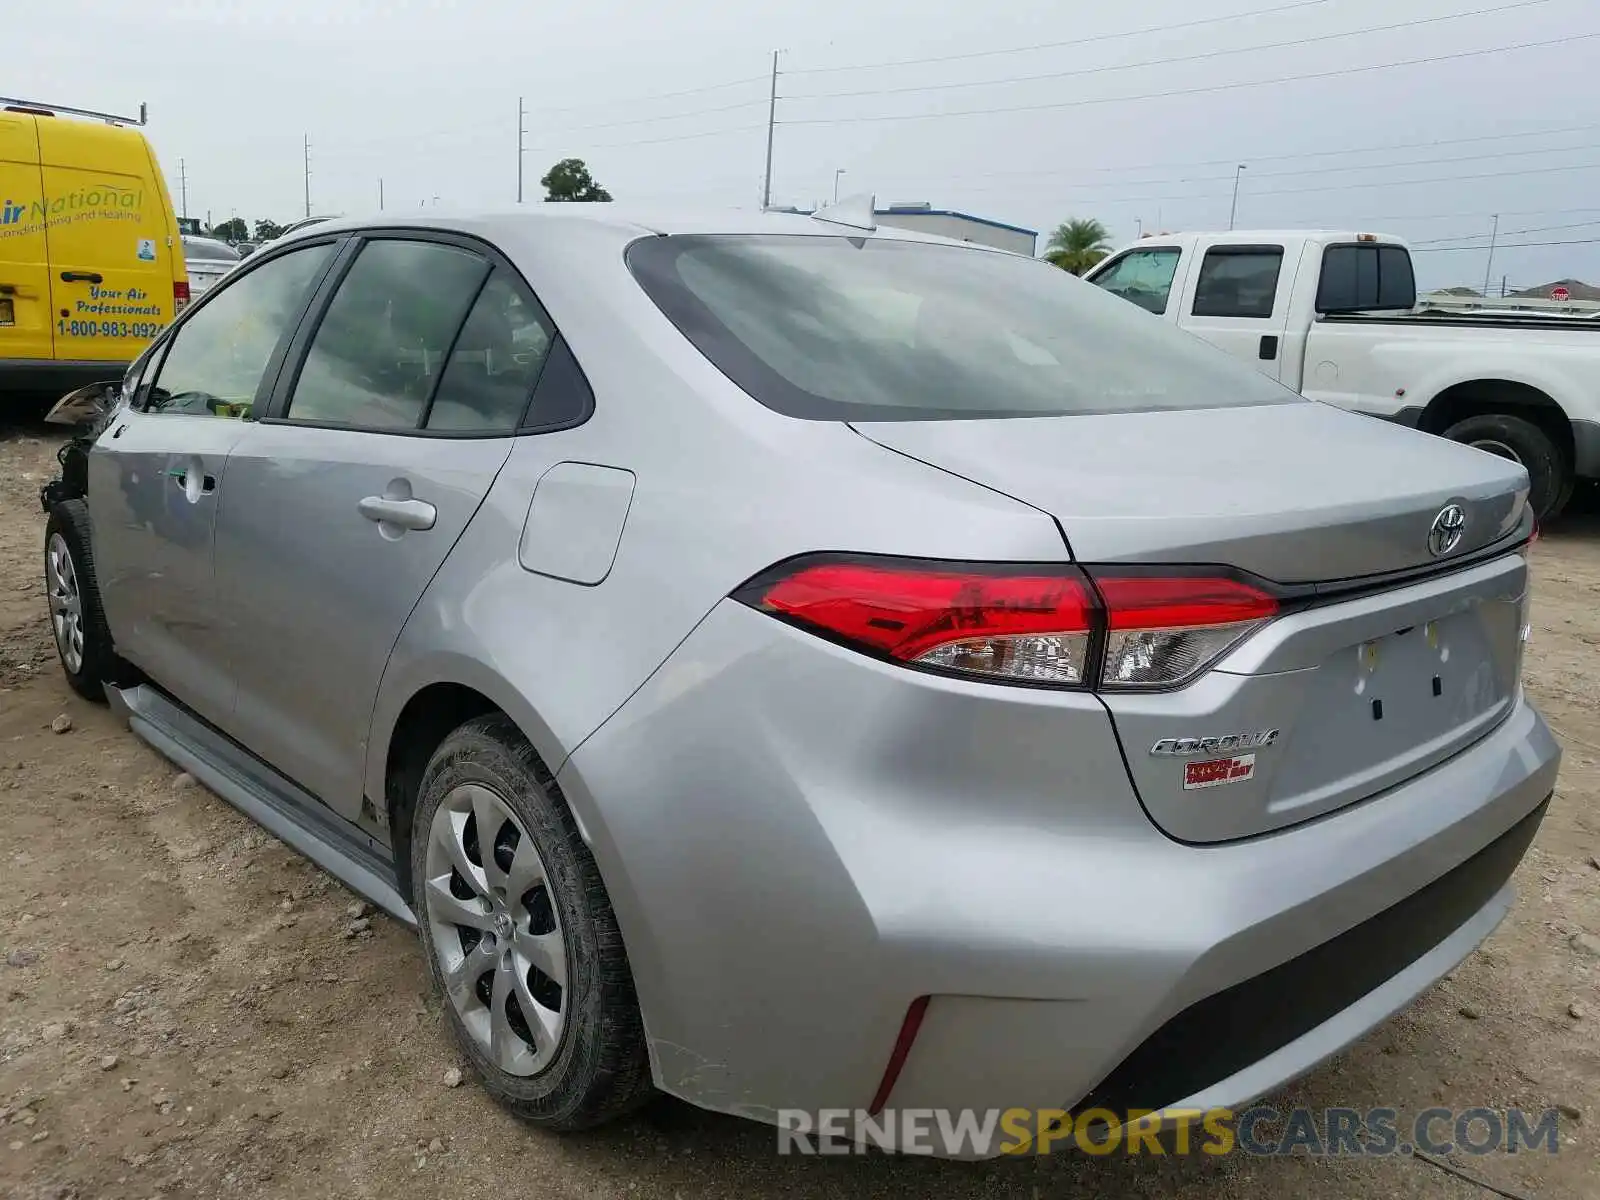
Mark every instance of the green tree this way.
pixel 267 230
pixel 234 230
pixel 569 179
pixel 1077 245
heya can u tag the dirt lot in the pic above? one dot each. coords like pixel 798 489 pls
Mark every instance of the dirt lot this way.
pixel 184 1011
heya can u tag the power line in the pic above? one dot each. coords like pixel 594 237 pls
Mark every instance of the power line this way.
pixel 1073 42
pixel 1418 162
pixel 1166 196
pixel 694 112
pixel 1261 158
pixel 1428 179
pixel 1463 237
pixel 1197 91
pixel 681 137
pixel 1202 56
pixel 694 91
pixel 1509 246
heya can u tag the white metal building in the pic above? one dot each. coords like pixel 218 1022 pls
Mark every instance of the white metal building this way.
pixel 963 227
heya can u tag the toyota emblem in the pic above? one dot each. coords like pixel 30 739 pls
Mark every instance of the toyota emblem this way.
pixel 1445 533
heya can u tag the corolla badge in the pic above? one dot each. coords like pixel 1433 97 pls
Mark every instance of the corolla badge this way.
pixel 1189 747
pixel 1447 529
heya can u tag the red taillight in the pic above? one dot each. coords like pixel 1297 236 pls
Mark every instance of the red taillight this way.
pixel 180 295
pixel 1029 625
pixel 1053 625
pixel 1165 601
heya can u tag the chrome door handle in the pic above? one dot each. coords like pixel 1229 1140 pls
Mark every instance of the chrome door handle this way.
pixel 406 514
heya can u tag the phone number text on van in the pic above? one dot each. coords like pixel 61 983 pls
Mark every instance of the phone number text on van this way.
pixel 113 329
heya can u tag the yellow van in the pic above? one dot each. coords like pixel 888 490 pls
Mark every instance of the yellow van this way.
pixel 91 262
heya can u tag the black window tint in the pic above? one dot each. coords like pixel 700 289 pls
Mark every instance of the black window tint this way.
pixel 1143 277
pixel 495 362
pixel 1358 278
pixel 1238 282
pixel 1397 286
pixel 1337 289
pixel 877 329
pixel 563 397
pixel 381 346
pixel 218 356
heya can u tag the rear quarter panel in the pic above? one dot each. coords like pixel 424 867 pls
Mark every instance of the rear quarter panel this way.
pixel 724 488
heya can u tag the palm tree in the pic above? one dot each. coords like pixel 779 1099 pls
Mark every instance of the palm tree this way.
pixel 1077 245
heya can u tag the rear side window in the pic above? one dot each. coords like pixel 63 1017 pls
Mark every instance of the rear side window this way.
pixel 1238 281
pixel 218 356
pixel 384 340
pixel 1142 277
pixel 1366 278
pixel 876 328
pixel 494 363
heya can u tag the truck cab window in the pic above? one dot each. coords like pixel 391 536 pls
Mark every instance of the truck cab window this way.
pixel 1142 276
pixel 1238 281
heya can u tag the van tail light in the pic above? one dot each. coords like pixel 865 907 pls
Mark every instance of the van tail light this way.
pixel 180 295
pixel 1054 625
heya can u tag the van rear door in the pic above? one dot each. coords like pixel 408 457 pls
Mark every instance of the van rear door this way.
pixel 26 328
pixel 111 251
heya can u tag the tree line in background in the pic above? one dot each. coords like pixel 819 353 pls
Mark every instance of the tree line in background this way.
pixel 236 230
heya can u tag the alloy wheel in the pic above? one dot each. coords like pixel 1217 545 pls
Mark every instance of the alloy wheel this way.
pixel 1498 448
pixel 66 603
pixel 495 930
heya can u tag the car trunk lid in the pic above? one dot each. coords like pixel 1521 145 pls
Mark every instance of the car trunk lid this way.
pixel 1295 492
pixel 1387 656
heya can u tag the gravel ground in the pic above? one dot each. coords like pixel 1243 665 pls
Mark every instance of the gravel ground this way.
pixel 188 1009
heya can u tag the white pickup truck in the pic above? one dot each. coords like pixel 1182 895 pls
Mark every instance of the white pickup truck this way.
pixel 1333 315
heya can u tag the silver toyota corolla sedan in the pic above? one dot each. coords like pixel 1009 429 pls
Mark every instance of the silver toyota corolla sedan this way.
pixel 797 665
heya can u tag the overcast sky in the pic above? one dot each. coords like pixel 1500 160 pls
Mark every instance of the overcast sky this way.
pixel 423 94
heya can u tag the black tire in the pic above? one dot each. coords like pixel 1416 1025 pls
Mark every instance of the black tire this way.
pixel 601 1068
pixel 1549 473
pixel 98 663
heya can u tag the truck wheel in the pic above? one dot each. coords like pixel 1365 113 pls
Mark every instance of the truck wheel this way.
pixel 520 935
pixel 1523 442
pixel 82 638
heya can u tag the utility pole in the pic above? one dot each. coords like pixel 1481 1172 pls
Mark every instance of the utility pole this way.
pixel 836 175
pixel 1138 229
pixel 183 184
pixel 308 174
pixel 1234 211
pixel 522 131
pixel 772 120
pixel 380 193
pixel 1494 236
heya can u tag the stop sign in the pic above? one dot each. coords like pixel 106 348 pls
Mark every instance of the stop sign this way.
pixel 1561 294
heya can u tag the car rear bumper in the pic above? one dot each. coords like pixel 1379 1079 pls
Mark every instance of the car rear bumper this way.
pixel 800 841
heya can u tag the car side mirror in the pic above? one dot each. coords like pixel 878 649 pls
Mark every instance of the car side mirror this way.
pixel 86 405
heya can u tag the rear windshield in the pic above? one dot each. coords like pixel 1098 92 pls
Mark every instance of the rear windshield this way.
pixel 869 329
pixel 210 251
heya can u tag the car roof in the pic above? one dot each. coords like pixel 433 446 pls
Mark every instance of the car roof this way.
pixel 626 221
